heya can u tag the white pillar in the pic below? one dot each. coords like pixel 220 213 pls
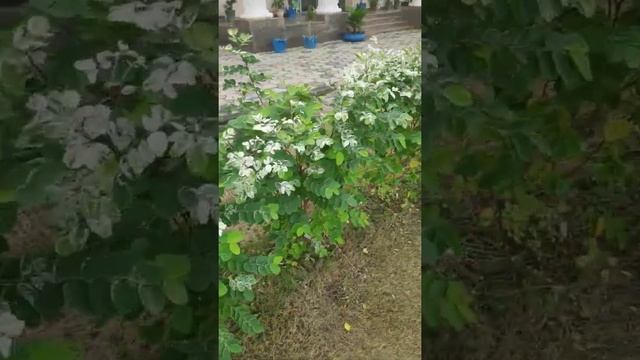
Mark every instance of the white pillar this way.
pixel 415 3
pixel 254 9
pixel 328 7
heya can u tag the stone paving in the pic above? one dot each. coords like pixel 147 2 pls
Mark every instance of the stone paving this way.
pixel 314 67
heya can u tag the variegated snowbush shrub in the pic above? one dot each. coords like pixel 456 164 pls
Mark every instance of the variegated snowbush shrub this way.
pixel 300 173
pixel 380 96
pixel 107 121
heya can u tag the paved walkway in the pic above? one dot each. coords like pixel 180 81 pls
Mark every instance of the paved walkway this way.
pixel 314 67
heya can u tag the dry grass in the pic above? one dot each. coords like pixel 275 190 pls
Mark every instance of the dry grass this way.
pixel 115 340
pixel 377 293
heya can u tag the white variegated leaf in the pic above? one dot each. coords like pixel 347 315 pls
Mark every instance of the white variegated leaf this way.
pixel 158 143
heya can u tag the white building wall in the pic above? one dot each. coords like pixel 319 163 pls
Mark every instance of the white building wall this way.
pixel 237 6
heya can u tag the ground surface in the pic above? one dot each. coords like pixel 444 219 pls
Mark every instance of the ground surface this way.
pixel 372 283
pixel 115 340
pixel 314 67
pixel 546 309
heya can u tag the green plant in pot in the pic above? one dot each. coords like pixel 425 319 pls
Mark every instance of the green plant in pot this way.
pixel 373 5
pixel 310 40
pixel 278 8
pixel 229 12
pixel 311 13
pixel 355 20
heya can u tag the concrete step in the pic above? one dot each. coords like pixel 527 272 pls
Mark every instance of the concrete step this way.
pixel 385 22
pixel 384 29
pixel 389 24
pixel 383 19
pixel 382 13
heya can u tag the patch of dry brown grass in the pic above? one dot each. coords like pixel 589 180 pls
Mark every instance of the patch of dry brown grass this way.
pixel 115 340
pixel 377 293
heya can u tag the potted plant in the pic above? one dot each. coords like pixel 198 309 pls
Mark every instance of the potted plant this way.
pixel 279 45
pixel 291 11
pixel 396 4
pixel 229 12
pixel 354 23
pixel 373 5
pixel 310 41
pixel 278 8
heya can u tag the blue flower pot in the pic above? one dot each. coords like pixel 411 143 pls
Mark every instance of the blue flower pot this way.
pixel 354 37
pixel 279 45
pixel 310 42
pixel 291 13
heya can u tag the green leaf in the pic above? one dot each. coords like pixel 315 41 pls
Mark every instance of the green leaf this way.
pixel 76 295
pixel 228 344
pixel 222 289
pixel 197 160
pixel 339 158
pixel 458 95
pixel 247 321
pixel 107 265
pixel 152 298
pixel 617 129
pixel 234 248
pixel 182 319
pixel 588 7
pixel 275 269
pixel 466 313
pixel 232 238
pixel 100 298
pixel 174 266
pixel 549 9
pixel 149 272
pixel 580 55
pixel 457 293
pixel 450 313
pixel 203 271
pixel 176 291
pixel 201 36
pixel 563 65
pixel 125 297
pixel 429 253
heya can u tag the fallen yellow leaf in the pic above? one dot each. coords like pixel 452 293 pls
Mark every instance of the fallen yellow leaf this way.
pixel 347 327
